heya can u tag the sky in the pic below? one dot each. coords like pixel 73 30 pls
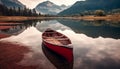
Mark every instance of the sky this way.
pixel 32 3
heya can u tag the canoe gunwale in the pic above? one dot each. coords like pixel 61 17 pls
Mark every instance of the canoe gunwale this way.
pixel 66 46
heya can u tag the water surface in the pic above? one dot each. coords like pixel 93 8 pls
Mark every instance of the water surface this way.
pixel 96 45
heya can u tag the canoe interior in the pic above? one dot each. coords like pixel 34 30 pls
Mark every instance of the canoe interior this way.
pixel 56 38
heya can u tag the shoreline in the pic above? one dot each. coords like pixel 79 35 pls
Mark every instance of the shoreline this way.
pixel 93 18
pixel 20 18
pixel 86 18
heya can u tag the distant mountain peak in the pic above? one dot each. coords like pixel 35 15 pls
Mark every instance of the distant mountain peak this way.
pixel 12 3
pixel 48 7
pixel 47 3
pixel 63 5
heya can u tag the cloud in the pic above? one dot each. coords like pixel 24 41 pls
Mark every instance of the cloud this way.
pixel 94 53
pixel 31 3
pixel 34 3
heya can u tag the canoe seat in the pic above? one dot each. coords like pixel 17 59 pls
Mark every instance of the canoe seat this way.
pixel 53 40
pixel 58 36
pixel 62 39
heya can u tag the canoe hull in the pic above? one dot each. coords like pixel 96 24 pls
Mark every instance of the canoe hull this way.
pixel 67 53
pixel 58 61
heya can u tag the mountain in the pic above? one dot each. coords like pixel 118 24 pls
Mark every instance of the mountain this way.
pixel 63 7
pixel 91 5
pixel 48 7
pixel 12 3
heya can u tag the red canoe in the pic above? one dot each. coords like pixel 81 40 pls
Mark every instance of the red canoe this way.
pixel 58 43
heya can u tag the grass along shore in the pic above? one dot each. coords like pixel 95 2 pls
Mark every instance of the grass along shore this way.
pixel 92 18
pixel 88 18
pixel 21 18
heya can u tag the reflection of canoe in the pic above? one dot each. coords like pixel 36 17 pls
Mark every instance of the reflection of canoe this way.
pixel 58 61
pixel 58 43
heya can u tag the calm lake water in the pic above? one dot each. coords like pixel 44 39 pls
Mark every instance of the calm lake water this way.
pixel 96 45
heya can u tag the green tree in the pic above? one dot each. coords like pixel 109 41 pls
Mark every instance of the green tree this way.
pixel 99 13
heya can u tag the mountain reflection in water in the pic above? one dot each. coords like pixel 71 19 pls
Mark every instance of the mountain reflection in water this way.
pixel 94 28
pixel 94 46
